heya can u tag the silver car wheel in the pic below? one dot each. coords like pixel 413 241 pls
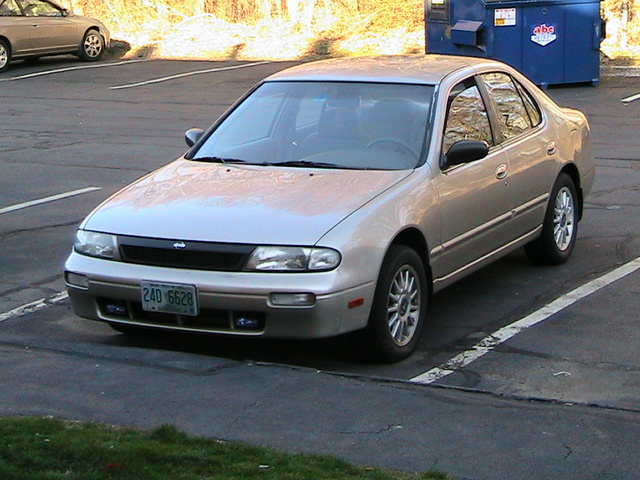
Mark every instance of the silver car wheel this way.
pixel 4 56
pixel 398 309
pixel 563 219
pixel 404 306
pixel 560 226
pixel 92 46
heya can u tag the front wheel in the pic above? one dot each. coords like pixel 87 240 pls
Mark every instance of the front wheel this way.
pixel 560 227
pixel 399 307
pixel 5 56
pixel 92 46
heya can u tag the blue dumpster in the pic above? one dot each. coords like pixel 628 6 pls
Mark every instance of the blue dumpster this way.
pixel 550 41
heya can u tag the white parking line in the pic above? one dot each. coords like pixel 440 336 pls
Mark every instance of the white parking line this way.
pixel 505 333
pixel 48 199
pixel 631 98
pixel 34 306
pixel 70 69
pixel 187 74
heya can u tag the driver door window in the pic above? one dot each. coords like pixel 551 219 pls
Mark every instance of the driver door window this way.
pixel 37 8
pixel 466 116
pixel 8 8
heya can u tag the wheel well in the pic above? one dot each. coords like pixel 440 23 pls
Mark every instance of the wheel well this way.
pixel 95 29
pixel 413 238
pixel 86 32
pixel 572 171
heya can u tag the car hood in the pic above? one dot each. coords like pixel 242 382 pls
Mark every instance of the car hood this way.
pixel 188 200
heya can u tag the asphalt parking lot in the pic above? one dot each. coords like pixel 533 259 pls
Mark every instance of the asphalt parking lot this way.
pixel 523 372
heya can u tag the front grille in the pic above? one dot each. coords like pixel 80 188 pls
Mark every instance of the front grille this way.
pixel 222 257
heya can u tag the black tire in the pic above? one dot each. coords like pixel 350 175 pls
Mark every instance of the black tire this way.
pixel 5 56
pixel 560 227
pixel 399 307
pixel 92 46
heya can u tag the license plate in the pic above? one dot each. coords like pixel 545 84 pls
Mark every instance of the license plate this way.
pixel 169 298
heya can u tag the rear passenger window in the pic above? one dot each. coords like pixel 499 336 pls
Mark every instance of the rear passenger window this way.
pixel 514 117
pixel 532 107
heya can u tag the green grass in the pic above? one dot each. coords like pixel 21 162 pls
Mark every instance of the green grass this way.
pixel 50 449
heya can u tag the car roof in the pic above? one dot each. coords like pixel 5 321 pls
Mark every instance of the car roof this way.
pixel 427 69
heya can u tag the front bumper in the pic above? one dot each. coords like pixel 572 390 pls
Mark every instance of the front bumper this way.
pixel 236 303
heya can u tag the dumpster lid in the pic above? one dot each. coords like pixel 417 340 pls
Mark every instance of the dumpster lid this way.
pixel 467 26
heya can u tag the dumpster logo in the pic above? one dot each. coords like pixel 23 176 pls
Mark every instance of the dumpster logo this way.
pixel 544 34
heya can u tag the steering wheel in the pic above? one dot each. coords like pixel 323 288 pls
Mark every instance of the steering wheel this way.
pixel 392 144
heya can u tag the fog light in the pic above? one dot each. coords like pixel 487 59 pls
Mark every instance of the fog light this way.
pixel 247 323
pixel 116 310
pixel 292 299
pixel 76 280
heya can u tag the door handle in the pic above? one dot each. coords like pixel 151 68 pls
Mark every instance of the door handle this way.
pixel 501 171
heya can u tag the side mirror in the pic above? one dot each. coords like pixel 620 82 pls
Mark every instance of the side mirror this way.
pixel 466 151
pixel 192 136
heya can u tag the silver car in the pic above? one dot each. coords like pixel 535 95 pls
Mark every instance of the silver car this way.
pixel 30 29
pixel 338 196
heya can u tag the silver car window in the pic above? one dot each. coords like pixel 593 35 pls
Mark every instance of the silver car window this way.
pixel 512 114
pixel 38 8
pixel 530 104
pixel 9 8
pixel 467 117
pixel 325 124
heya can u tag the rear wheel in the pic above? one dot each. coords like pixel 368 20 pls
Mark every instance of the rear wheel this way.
pixel 92 46
pixel 560 227
pixel 5 56
pixel 399 307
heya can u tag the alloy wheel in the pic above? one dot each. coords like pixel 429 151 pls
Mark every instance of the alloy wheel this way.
pixel 404 306
pixel 563 219
pixel 92 45
pixel 4 57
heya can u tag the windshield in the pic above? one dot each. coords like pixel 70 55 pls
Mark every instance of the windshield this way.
pixel 325 125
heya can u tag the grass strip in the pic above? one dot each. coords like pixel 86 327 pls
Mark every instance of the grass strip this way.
pixel 52 449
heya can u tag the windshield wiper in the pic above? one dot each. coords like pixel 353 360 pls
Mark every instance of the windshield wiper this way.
pixel 307 163
pixel 290 163
pixel 219 160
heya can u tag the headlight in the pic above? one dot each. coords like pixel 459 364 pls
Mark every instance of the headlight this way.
pixel 96 244
pixel 292 259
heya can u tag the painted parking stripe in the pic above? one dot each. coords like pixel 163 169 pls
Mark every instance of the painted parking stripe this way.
pixel 52 198
pixel 187 74
pixel 70 69
pixel 34 306
pixel 502 335
pixel 631 98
